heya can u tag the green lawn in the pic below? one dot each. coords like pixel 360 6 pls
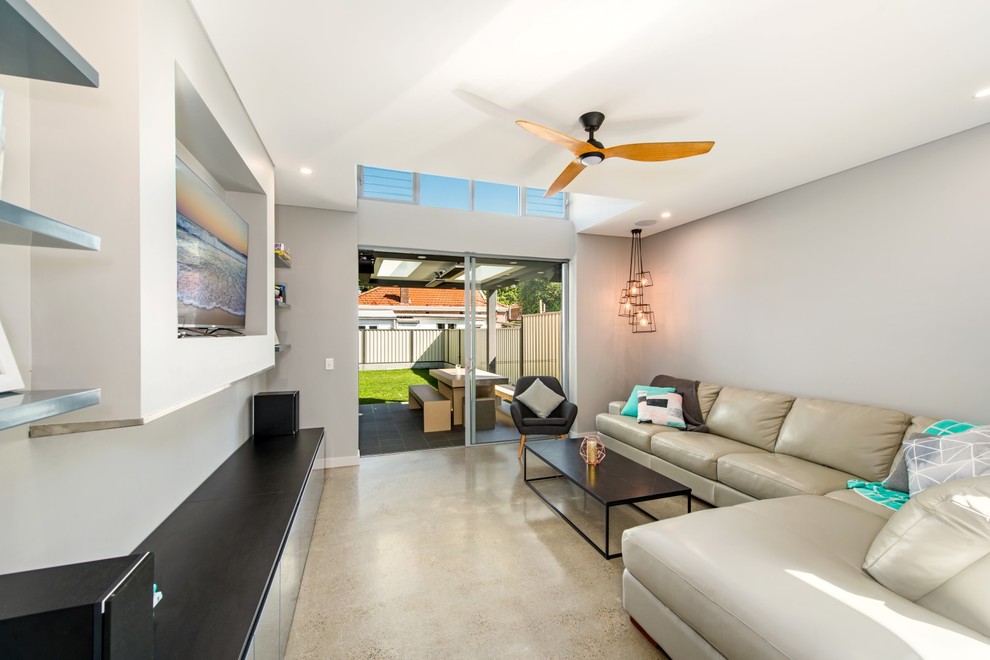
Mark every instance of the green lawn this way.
pixel 390 385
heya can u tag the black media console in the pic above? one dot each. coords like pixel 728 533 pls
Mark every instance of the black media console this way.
pixel 229 559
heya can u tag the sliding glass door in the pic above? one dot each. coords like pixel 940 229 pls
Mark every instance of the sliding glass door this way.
pixel 515 325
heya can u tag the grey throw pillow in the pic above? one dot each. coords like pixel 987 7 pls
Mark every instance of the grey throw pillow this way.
pixel 540 399
pixel 933 460
pixel 898 477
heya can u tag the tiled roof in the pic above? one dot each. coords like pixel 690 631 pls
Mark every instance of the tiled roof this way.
pixel 389 295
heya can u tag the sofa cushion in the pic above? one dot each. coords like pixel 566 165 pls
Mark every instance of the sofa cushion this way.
pixel 936 551
pixel 661 409
pixel 773 579
pixel 628 430
pixel 855 499
pixel 933 460
pixel 767 475
pixel 707 393
pixel 749 416
pixel 859 440
pixel 697 452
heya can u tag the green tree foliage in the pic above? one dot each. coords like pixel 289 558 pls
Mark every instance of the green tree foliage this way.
pixel 533 291
pixel 508 295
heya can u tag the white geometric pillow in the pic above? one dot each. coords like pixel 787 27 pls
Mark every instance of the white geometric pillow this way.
pixel 665 409
pixel 933 460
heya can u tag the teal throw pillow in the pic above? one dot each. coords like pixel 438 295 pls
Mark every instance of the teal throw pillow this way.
pixel 631 409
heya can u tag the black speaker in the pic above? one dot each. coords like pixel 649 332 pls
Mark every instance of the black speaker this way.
pixel 276 413
pixel 97 610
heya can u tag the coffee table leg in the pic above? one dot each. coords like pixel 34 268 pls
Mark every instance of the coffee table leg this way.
pixel 607 508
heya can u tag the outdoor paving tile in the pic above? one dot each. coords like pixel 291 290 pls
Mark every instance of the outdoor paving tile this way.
pixel 371 452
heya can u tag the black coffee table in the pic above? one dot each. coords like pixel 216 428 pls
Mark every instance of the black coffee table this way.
pixel 614 482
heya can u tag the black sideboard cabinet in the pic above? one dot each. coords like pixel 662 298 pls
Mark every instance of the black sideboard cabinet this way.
pixel 97 610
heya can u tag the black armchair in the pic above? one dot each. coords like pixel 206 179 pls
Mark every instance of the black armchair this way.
pixel 527 422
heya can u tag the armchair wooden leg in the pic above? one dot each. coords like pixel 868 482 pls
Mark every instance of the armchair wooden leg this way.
pixel 522 444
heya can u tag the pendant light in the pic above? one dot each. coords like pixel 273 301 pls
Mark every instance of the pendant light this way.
pixel 631 302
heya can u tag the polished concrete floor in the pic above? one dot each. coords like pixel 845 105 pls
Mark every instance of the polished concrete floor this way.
pixel 446 553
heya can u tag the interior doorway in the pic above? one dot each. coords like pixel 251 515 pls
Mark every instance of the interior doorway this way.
pixel 451 330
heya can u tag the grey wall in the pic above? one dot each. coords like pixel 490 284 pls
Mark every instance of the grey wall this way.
pixel 609 357
pixel 321 322
pixel 867 286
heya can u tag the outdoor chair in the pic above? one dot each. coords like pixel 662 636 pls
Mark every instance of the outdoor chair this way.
pixel 558 423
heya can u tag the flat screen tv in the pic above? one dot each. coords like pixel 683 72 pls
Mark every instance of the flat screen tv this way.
pixel 212 255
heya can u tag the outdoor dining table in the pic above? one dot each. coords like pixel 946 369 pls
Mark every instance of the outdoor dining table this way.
pixel 451 383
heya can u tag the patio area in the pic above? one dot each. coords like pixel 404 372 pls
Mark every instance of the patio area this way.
pixel 389 428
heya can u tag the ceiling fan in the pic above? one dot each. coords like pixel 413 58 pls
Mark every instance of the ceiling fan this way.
pixel 593 152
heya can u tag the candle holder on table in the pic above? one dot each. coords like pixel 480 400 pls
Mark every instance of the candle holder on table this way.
pixel 592 449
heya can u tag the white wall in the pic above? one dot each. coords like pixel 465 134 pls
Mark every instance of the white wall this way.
pixel 404 226
pixel 868 286
pixel 320 323
pixel 15 304
pixel 103 160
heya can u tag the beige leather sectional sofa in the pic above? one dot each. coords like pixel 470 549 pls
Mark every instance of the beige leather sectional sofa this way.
pixel 781 574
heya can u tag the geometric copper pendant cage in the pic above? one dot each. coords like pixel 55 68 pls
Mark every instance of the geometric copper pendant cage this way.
pixel 631 302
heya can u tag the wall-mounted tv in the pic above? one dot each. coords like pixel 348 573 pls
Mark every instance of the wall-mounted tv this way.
pixel 212 255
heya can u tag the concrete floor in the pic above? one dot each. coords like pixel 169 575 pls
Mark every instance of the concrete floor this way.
pixel 446 553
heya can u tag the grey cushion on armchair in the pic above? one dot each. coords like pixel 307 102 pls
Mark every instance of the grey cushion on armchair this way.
pixel 527 422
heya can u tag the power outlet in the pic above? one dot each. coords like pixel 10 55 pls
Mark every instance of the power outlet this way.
pixel 329 364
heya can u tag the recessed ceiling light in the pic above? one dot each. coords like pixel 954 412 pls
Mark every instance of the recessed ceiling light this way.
pixel 422 256
pixel 982 94
pixel 665 215
pixel 513 263
pixel 306 170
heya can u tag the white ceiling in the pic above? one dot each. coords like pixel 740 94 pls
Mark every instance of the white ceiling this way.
pixel 789 91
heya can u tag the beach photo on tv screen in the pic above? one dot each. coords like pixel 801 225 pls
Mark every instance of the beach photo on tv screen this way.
pixel 212 255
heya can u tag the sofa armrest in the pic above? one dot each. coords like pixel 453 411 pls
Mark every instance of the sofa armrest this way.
pixel 615 407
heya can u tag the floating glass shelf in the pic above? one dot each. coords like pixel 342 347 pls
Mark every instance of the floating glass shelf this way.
pixel 19 408
pixel 19 226
pixel 32 48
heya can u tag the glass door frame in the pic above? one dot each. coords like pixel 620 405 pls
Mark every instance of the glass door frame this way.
pixel 470 344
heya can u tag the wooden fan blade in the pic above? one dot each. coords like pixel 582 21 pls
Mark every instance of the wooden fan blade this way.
pixel 570 172
pixel 575 146
pixel 656 151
